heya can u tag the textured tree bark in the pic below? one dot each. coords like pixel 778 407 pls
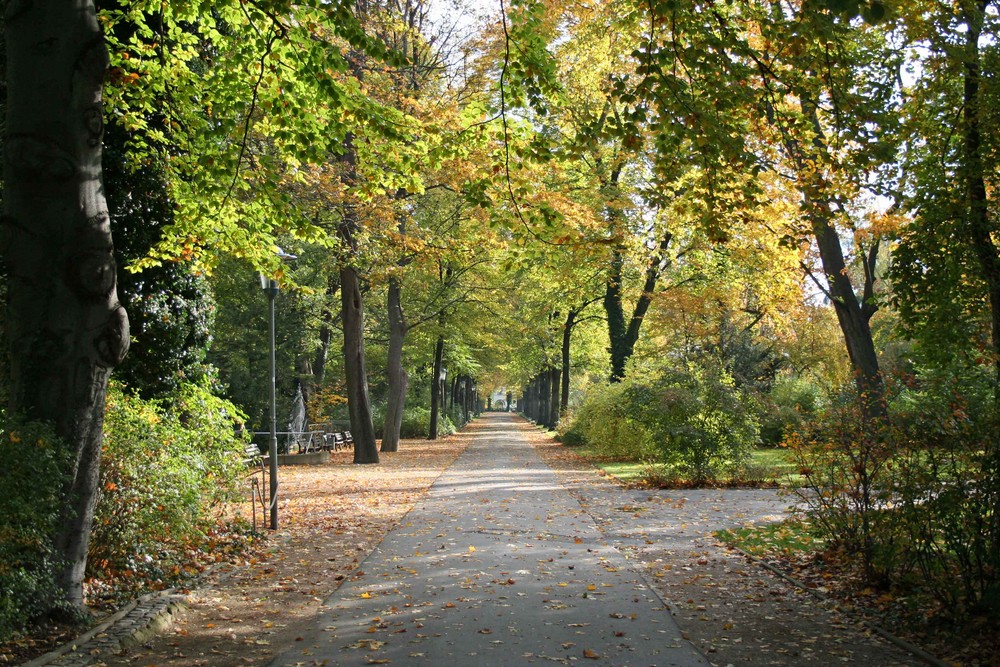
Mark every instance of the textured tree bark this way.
pixel 352 314
pixel 66 327
pixel 399 381
pixel 554 395
pixel 355 368
pixel 619 348
pixel 566 338
pixel 436 388
pixel 544 398
pixel 623 338
pixel 982 236
pixel 852 315
pixel 451 395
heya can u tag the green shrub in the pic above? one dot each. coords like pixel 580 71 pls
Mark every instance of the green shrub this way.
pixel 792 401
pixel 569 432
pixel 946 484
pixel 31 496
pixel 845 459
pixel 699 423
pixel 690 419
pixel 166 465
pixel 913 497
pixel 611 426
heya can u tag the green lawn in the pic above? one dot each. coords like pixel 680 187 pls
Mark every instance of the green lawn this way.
pixel 776 462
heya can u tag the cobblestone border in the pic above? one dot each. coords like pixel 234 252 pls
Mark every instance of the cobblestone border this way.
pixel 133 624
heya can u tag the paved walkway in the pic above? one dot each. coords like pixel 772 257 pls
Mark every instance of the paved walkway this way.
pixel 499 565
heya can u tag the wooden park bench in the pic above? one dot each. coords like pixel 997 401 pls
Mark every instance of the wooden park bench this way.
pixel 305 441
pixel 333 441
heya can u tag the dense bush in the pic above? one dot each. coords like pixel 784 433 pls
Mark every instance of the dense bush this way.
pixel 689 418
pixel 30 502
pixel 913 496
pixel 569 431
pixel 611 426
pixel 945 481
pixel 791 402
pixel 166 465
pixel 700 424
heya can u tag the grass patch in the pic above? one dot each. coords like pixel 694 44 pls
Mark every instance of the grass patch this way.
pixel 776 464
pixel 788 538
pixel 626 472
pixel 785 470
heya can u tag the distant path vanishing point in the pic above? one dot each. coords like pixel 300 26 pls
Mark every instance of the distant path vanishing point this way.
pixel 498 565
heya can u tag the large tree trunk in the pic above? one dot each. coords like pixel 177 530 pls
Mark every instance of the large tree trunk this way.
pixel 566 338
pixel 853 316
pixel 619 347
pixel 352 314
pixel 65 325
pixel 544 397
pixel 355 368
pixel 554 395
pixel 436 388
pixel 622 338
pixel 399 382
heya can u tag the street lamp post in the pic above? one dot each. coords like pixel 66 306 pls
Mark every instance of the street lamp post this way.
pixel 270 287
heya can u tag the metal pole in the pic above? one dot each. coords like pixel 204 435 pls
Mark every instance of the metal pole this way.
pixel 272 293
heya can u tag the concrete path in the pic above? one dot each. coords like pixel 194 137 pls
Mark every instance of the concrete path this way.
pixel 499 565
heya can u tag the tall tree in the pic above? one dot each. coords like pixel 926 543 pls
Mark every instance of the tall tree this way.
pixel 353 321
pixel 763 86
pixel 947 268
pixel 66 327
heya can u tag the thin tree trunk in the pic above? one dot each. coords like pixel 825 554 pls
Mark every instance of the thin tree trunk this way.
pixel 355 368
pixel 436 388
pixel 66 327
pixel 451 395
pixel 325 331
pixel 399 381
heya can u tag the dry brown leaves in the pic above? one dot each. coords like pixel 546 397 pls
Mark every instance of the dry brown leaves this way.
pixel 331 516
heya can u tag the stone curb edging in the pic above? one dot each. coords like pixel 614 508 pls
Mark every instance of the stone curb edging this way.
pixel 133 624
pixel 912 649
